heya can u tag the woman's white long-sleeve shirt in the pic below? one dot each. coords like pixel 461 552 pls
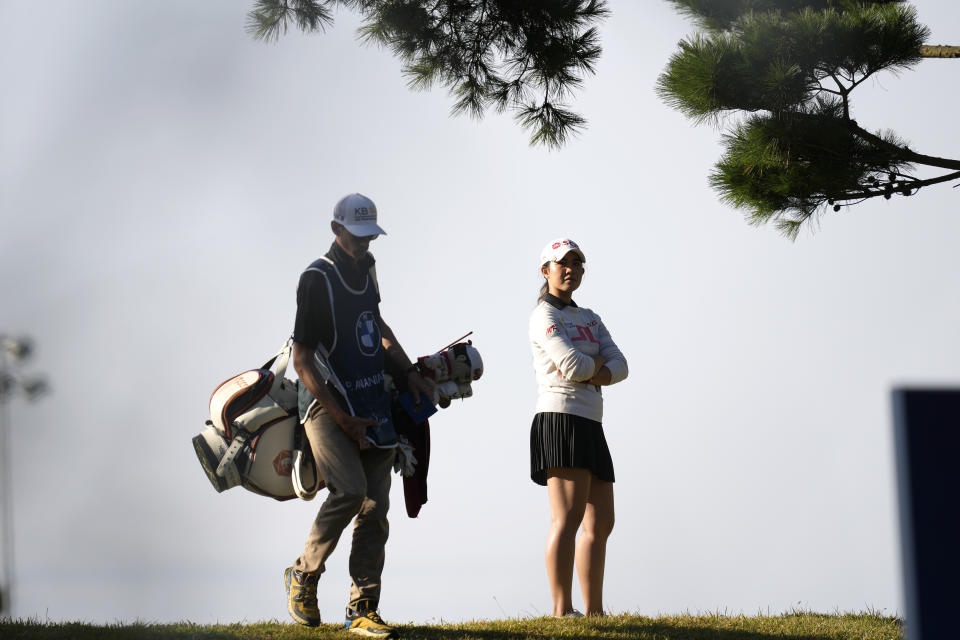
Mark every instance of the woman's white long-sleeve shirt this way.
pixel 564 339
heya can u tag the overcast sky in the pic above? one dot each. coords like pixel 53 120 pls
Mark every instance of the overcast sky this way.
pixel 164 179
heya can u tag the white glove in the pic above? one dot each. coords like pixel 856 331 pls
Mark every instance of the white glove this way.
pixel 404 462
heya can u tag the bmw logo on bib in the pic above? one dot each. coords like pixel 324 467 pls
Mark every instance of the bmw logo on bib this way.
pixel 368 333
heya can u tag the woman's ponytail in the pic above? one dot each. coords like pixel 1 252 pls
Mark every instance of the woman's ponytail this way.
pixel 544 289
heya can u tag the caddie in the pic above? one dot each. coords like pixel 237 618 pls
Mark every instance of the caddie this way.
pixel 340 349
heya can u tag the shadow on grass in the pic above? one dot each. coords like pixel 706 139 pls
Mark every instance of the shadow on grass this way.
pixel 607 629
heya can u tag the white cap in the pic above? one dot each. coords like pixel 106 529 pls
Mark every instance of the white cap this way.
pixel 358 215
pixel 556 249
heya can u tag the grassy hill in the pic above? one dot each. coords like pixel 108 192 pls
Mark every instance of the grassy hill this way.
pixel 793 626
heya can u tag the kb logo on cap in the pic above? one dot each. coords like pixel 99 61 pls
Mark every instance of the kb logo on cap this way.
pixel 365 213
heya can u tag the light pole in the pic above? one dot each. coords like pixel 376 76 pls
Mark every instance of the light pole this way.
pixel 13 352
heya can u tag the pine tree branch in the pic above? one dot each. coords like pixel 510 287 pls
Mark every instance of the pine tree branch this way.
pixel 939 51
pixel 525 55
pixel 910 188
pixel 908 154
pixel 822 88
pixel 844 91
pixel 790 67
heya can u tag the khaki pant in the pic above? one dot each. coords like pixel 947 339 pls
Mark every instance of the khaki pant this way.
pixel 358 484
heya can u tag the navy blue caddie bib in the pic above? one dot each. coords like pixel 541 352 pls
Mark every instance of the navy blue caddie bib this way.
pixel 357 355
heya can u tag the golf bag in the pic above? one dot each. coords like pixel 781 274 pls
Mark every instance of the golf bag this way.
pixel 254 437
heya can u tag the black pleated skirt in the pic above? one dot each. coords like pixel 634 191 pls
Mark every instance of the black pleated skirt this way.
pixel 566 440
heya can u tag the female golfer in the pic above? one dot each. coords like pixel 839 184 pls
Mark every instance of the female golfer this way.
pixel 574 356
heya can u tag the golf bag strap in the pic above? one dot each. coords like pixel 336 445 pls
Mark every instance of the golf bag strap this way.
pixel 227 469
pixel 299 451
pixel 281 359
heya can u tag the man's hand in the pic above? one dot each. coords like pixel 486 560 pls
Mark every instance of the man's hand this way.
pixel 418 384
pixel 356 428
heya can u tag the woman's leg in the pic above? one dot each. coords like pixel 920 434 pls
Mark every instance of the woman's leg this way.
pixel 568 490
pixel 592 544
